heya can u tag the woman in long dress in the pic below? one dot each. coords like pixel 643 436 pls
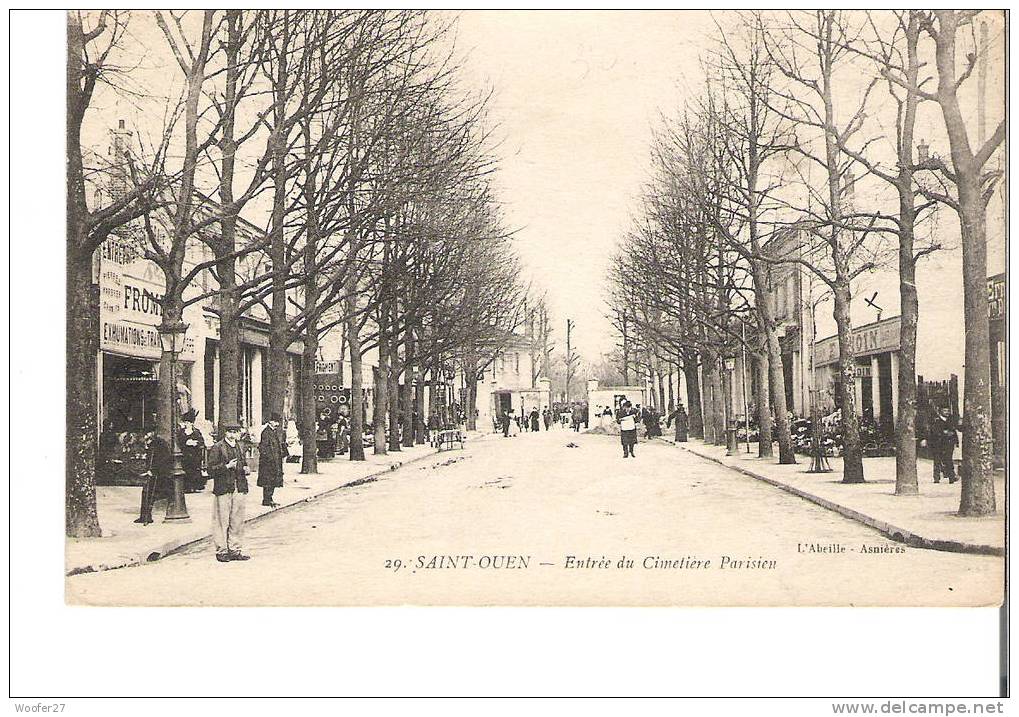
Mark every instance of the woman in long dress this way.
pixel 606 418
pixel 514 427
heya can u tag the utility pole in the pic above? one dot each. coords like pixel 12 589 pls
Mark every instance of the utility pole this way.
pixel 626 351
pixel 570 358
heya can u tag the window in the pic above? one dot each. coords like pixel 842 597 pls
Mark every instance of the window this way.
pixel 516 358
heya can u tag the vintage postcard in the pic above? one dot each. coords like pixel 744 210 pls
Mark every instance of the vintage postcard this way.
pixel 536 308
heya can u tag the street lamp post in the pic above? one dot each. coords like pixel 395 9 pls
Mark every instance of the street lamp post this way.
pixel 171 336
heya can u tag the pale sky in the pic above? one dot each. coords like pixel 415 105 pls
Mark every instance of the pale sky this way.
pixel 576 97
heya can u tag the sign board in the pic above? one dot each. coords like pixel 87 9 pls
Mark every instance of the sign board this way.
pixel 871 339
pixel 327 367
pixel 130 291
pixel 330 395
pixel 996 297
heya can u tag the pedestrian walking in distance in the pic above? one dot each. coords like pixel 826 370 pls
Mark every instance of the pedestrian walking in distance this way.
pixel 682 423
pixel 627 420
pixel 229 473
pixel 942 440
pixel 270 460
pixel 192 452
pixel 157 477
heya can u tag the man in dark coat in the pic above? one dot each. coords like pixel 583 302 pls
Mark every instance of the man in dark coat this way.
pixel 229 473
pixel 682 423
pixel 192 452
pixel 652 423
pixel 942 438
pixel 158 475
pixel 505 421
pixel 626 417
pixel 270 460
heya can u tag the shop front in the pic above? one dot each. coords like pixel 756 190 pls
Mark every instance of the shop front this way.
pixel 253 384
pixel 996 296
pixel 128 366
pixel 875 380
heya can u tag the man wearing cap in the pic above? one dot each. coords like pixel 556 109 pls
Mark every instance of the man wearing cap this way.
pixel 192 451
pixel 229 473
pixel 158 475
pixel 270 460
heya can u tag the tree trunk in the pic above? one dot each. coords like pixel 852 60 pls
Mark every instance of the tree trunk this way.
pixel 356 393
pixel 977 470
pixel 81 515
pixel 706 397
pixel 726 402
pixel 693 397
pixel 776 378
pixel 308 409
pixel 276 372
pixel 977 439
pixel 672 396
pixel 661 390
pixel 407 410
pixel 406 390
pixel 765 449
pixel 905 422
pixel 709 396
pixel 433 393
pixel 471 378
pixel 394 403
pixel 278 333
pixel 226 245
pixel 419 426
pixel 81 518
pixel 786 452
pixel 717 404
pixel 381 395
pixel 229 350
pixel 852 448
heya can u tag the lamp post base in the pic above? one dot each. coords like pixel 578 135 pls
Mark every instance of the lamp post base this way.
pixel 176 507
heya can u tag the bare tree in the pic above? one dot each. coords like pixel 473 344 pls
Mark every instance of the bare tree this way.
pixel 894 51
pixel 810 51
pixel 750 136
pixel 92 44
pixel 974 185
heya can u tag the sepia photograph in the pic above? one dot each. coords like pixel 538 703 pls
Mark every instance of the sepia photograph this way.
pixel 536 308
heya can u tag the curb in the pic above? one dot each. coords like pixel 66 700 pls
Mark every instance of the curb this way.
pixel 900 535
pixel 173 547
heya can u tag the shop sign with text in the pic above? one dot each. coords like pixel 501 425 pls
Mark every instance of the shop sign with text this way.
pixel 867 340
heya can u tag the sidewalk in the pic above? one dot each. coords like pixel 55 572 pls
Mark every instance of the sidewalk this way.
pixel 126 543
pixel 928 520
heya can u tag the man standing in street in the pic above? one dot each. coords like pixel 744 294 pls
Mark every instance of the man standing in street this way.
pixel 270 460
pixel 942 441
pixel 682 423
pixel 626 417
pixel 229 473
pixel 192 452
pixel 158 475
